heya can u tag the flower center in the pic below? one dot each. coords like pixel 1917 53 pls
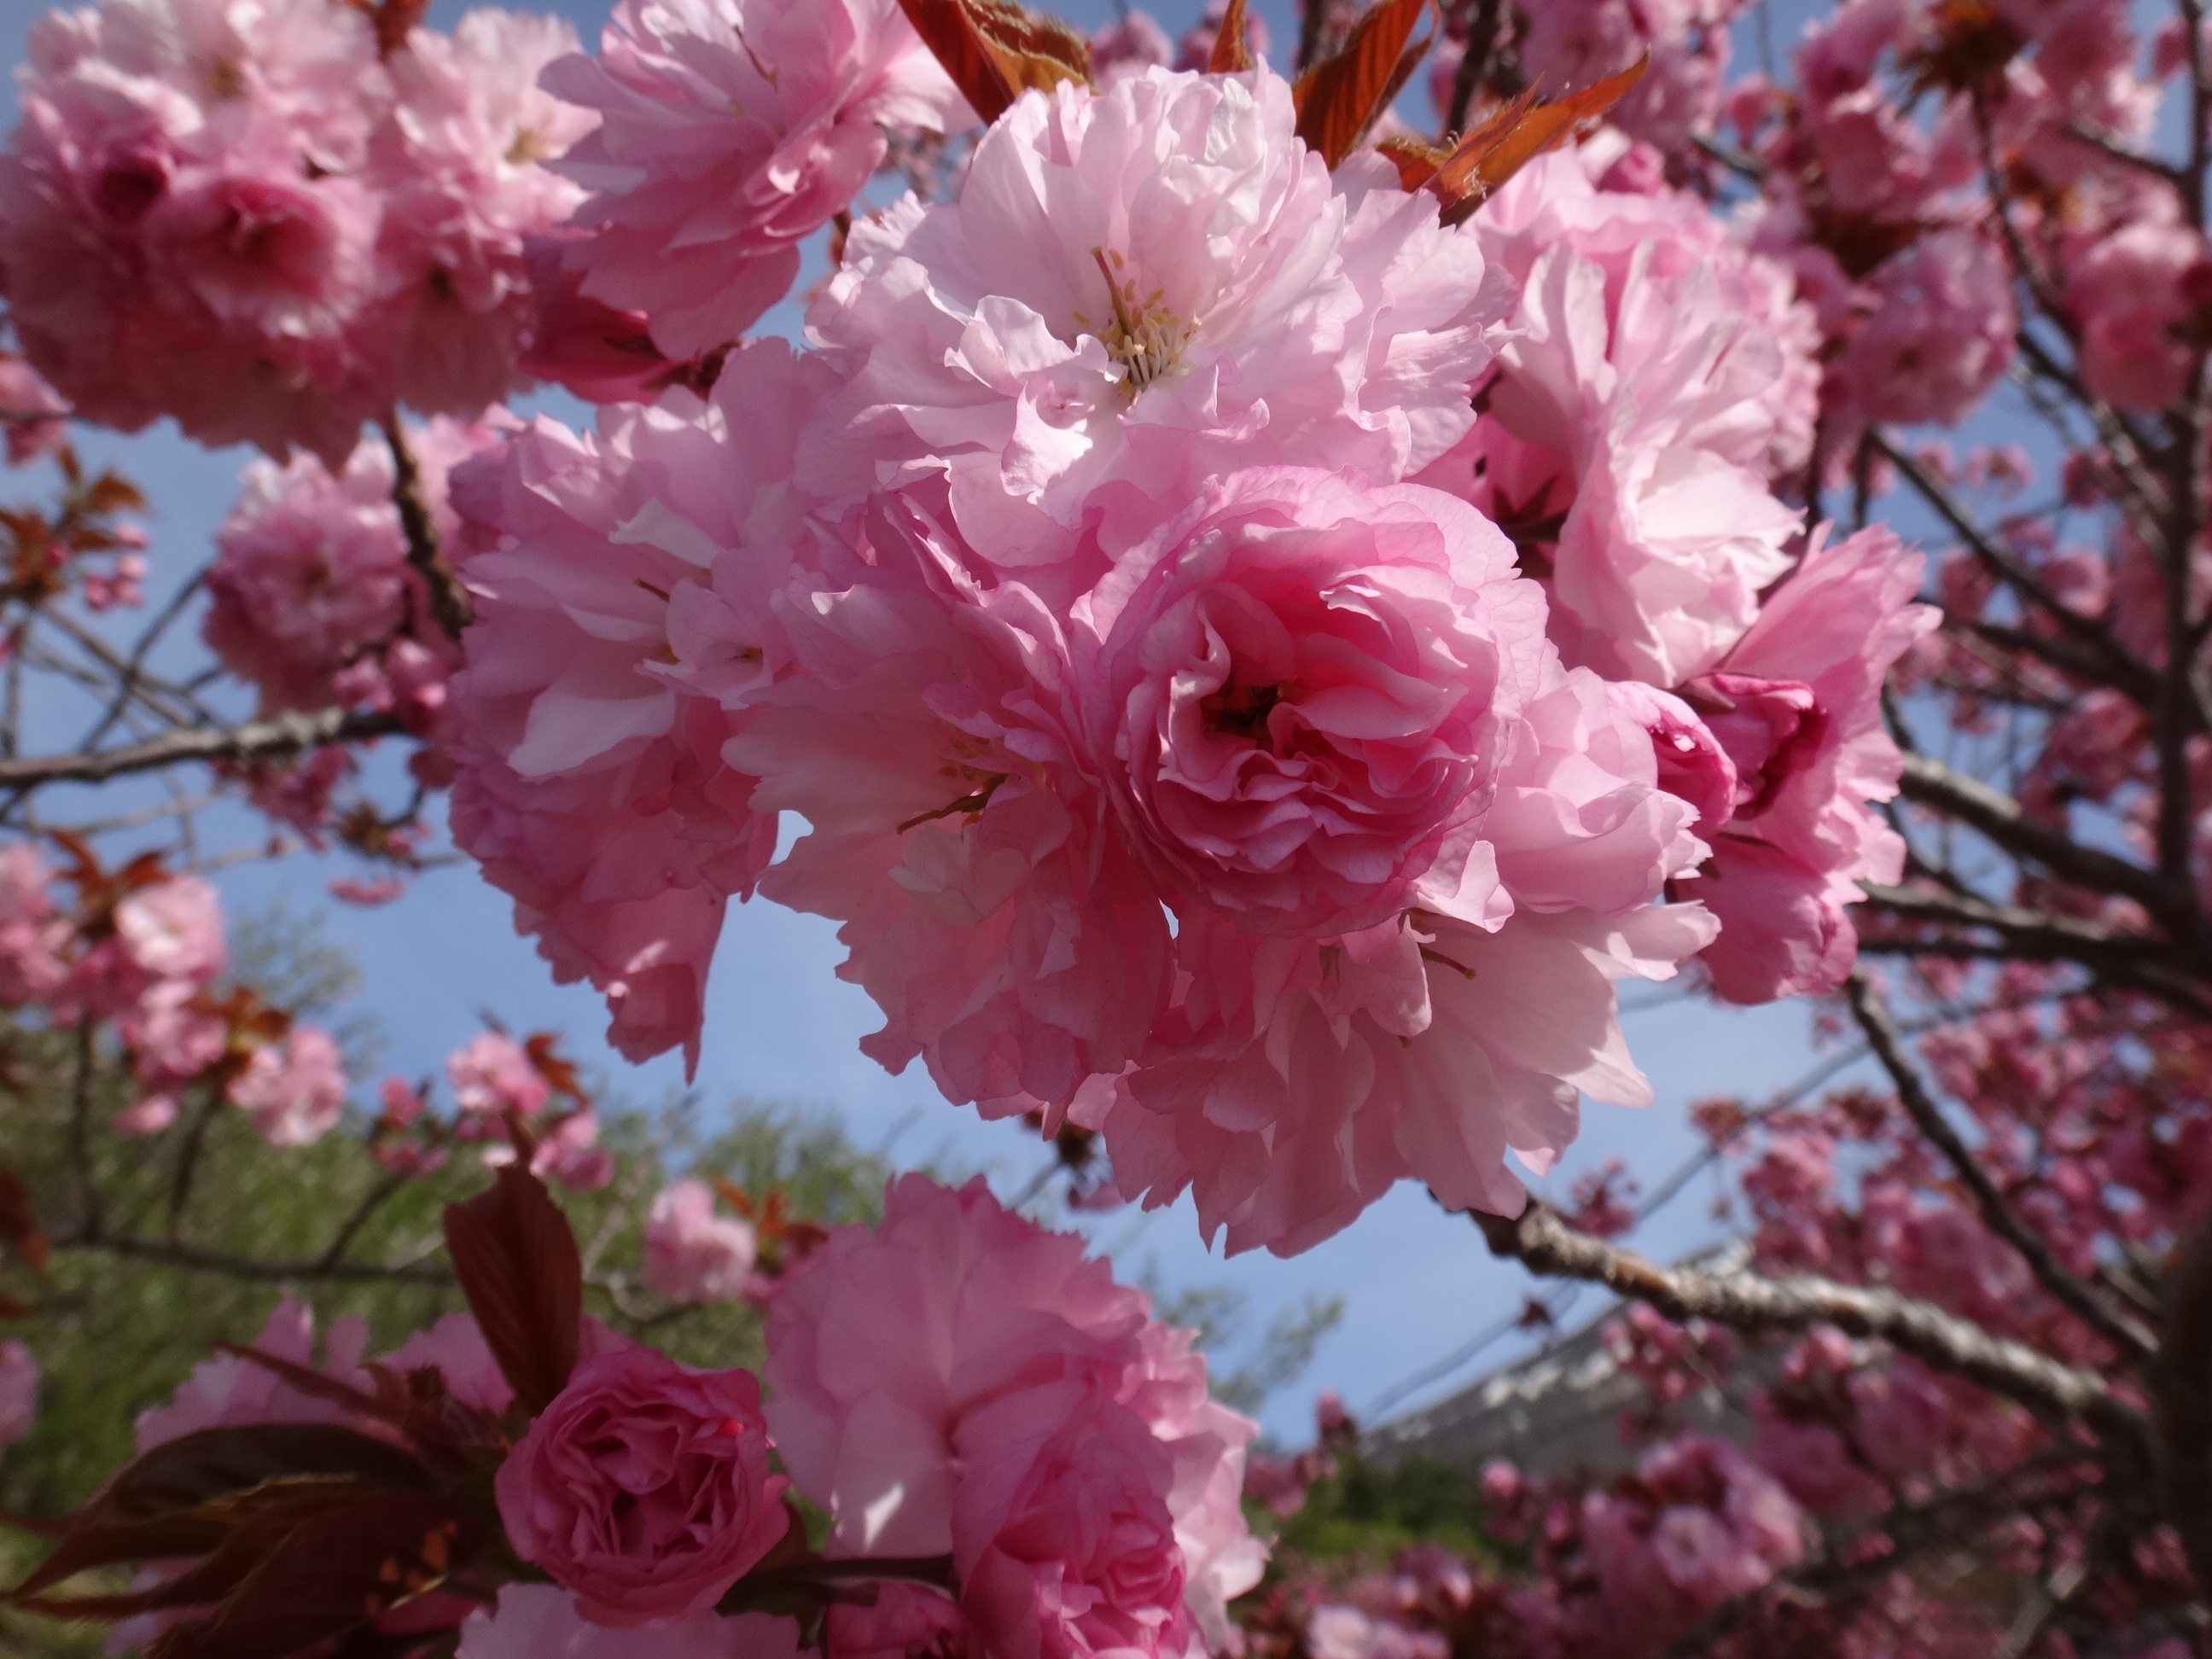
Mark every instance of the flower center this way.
pixel 1242 710
pixel 1144 336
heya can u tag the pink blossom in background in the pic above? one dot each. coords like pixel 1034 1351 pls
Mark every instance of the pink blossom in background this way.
pixel 644 1488
pixel 174 930
pixel 1345 1632
pixel 709 168
pixel 2127 293
pixel 32 933
pixel 622 584
pixel 1194 49
pixel 226 1391
pixel 984 342
pixel 252 223
pixel 1811 756
pixel 1133 42
pixel 491 1075
pixel 19 1392
pixel 459 165
pixel 1939 335
pixel 540 1621
pixel 692 1255
pixel 295 1093
pixel 29 408
pixel 959 1379
pixel 310 582
pixel 1701 1523
pixel 904 1620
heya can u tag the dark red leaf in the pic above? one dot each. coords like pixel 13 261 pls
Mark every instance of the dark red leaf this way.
pixel 1339 98
pixel 1515 134
pixel 238 1532
pixel 1231 55
pixel 995 50
pixel 337 1570
pixel 170 1501
pixel 518 1265
pixel 11 1309
pixel 19 1224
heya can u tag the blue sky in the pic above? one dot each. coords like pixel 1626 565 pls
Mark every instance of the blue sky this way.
pixel 780 1027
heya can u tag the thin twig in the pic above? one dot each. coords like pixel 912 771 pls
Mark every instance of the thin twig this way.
pixel 2120 1330
pixel 252 1269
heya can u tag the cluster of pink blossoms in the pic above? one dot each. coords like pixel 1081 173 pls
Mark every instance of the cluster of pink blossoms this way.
pixel 311 598
pixel 273 224
pixel 144 949
pixel 1210 728
pixel 954 1386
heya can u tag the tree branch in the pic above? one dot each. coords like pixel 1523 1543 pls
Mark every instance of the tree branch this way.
pixel 1748 1301
pixel 190 1259
pixel 280 734
pixel 2181 1397
pixel 2116 663
pixel 449 601
pixel 1882 1035
pixel 2004 821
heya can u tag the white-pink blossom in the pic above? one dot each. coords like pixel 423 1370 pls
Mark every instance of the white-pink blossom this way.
pixel 730 131
pixel 1138 287
pixel 296 1090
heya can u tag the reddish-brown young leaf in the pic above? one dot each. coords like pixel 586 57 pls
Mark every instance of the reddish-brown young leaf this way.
pixel 518 1265
pixel 11 1309
pixel 19 1224
pixel 1416 159
pixel 1230 54
pixel 1339 98
pixel 1515 134
pixel 239 1532
pixel 337 1571
pixel 168 1502
pixel 994 51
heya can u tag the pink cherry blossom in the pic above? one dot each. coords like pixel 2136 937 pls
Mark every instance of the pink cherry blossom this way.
pixel 312 584
pixel 459 164
pixel 1129 279
pixel 588 743
pixel 1054 1439
pixel 540 1621
pixel 692 1255
pixel 227 1391
pixel 491 1073
pixel 1657 377
pixel 1306 687
pixel 31 934
pixel 730 131
pixel 295 1094
pixel 19 1392
pixel 30 411
pixel 255 223
pixel 1797 707
pixel 644 1488
pixel 958 832
pixel 2126 292
pixel 174 930
pixel 1703 1523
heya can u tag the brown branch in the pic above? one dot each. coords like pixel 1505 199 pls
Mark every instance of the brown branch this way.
pixel 190 1259
pixel 2119 1329
pixel 1748 1301
pixel 89 1221
pixel 2013 570
pixel 2181 1400
pixel 279 734
pixel 1998 816
pixel 449 600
